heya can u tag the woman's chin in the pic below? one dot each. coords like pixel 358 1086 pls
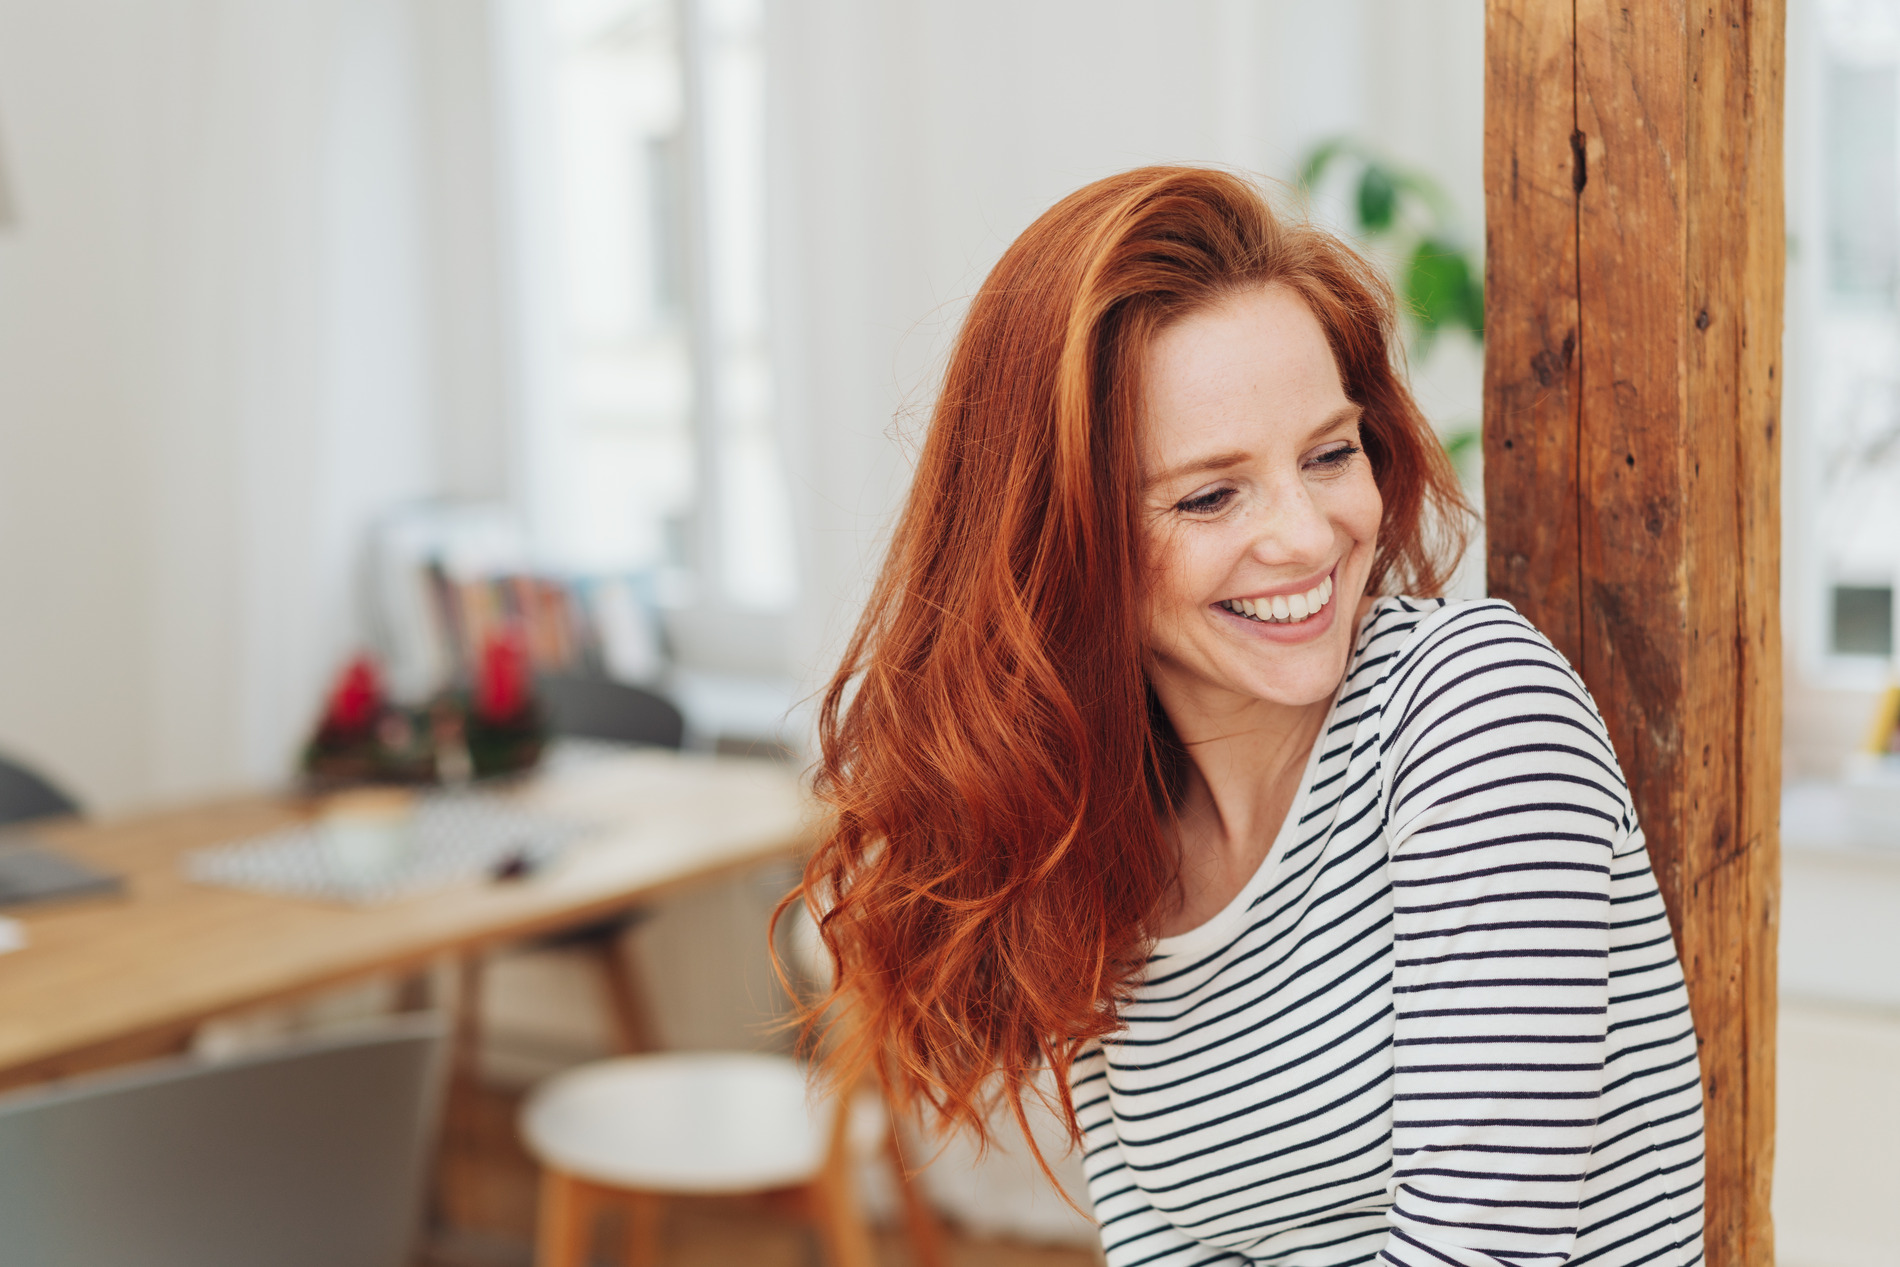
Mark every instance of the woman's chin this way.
pixel 1292 677
pixel 1294 686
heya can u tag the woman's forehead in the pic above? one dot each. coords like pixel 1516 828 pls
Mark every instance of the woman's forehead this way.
pixel 1255 370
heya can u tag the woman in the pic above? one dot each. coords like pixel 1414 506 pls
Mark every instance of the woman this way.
pixel 1325 907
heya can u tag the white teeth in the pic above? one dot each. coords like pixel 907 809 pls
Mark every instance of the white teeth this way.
pixel 1284 608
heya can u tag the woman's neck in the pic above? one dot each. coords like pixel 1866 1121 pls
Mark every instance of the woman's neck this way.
pixel 1244 771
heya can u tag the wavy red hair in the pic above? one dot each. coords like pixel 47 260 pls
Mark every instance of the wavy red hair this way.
pixel 997 774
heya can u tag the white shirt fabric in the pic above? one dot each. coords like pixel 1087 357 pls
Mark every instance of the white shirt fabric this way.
pixel 1444 1023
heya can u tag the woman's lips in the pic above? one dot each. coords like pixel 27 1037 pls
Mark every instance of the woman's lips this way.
pixel 1288 632
pixel 1284 609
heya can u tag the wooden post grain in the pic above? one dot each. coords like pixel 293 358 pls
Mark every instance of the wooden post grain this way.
pixel 1633 193
pixel 1530 391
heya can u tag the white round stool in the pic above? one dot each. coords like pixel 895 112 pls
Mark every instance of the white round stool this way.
pixel 630 1132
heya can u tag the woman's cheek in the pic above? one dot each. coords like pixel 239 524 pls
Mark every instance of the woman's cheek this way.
pixel 1365 509
pixel 1161 573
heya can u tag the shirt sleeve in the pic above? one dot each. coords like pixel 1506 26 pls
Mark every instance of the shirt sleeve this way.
pixel 1134 1233
pixel 1504 809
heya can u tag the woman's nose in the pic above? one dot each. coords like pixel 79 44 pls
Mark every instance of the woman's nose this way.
pixel 1292 529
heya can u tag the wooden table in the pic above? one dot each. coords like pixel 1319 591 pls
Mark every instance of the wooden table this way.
pixel 114 979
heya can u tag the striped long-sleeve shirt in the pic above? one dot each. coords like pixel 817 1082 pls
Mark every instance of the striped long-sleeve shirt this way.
pixel 1443 1023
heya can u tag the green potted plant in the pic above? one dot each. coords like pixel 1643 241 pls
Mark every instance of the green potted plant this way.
pixel 1406 214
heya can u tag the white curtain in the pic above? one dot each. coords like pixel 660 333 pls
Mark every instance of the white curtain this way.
pixel 232 328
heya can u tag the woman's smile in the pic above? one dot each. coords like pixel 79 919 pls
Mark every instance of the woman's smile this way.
pixel 1284 607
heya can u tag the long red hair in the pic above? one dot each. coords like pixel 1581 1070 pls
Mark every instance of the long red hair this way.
pixel 997 773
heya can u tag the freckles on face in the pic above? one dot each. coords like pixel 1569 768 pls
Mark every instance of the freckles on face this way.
pixel 1260 510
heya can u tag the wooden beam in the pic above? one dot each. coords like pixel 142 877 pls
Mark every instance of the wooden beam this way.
pixel 1632 397
pixel 1531 321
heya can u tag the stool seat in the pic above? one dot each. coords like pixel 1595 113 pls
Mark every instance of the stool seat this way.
pixel 693 1122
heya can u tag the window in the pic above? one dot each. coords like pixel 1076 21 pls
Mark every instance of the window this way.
pixel 1863 202
pixel 1863 620
pixel 667 458
pixel 1843 450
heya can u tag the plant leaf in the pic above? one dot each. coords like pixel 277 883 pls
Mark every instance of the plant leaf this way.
pixel 1473 308
pixel 1460 440
pixel 1378 199
pixel 1438 286
pixel 1319 159
pixel 1428 191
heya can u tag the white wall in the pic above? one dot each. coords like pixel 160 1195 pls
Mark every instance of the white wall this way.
pixel 914 140
pixel 228 336
pixel 69 488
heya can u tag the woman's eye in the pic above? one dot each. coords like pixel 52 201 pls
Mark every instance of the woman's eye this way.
pixel 1201 503
pixel 1336 457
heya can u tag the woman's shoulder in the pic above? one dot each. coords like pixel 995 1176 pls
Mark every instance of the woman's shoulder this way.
pixel 1469 659
pixel 1412 640
pixel 1404 626
pixel 1470 684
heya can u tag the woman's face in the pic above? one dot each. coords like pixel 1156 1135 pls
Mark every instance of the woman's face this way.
pixel 1260 508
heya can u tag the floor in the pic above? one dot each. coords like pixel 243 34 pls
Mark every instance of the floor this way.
pixel 1837 1147
pixel 487 1204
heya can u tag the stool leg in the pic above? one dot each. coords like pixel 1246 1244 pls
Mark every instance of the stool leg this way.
pixel 834 1199
pixel 926 1234
pixel 566 1221
pixel 642 1214
pixel 841 1228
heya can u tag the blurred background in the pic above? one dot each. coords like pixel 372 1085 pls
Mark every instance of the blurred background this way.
pixel 664 284
pixel 327 326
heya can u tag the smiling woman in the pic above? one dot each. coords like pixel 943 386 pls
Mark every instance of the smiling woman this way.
pixel 1325 907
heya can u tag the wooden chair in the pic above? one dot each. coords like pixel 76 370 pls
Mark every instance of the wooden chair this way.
pixel 627 1134
pixel 595 707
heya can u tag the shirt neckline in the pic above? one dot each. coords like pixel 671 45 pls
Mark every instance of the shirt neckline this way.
pixel 1217 925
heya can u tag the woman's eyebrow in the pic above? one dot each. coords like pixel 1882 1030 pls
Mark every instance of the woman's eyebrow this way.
pixel 1224 461
pixel 1213 462
pixel 1336 419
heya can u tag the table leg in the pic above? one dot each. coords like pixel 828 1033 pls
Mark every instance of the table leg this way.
pixel 628 1005
pixel 460 1135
